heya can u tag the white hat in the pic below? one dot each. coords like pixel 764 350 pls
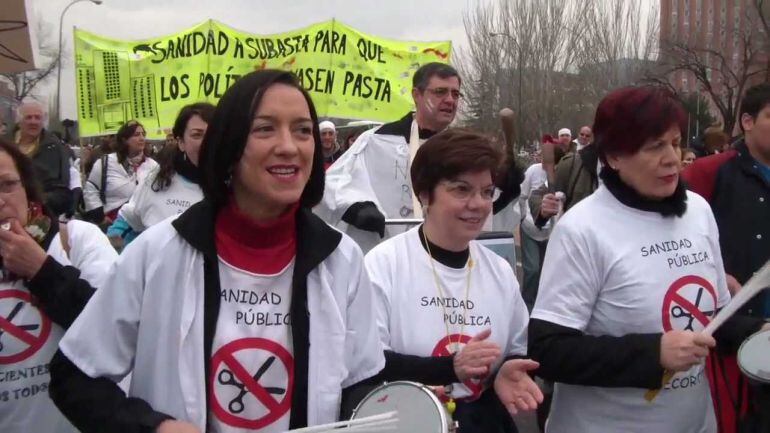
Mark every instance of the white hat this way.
pixel 323 126
pixel 565 131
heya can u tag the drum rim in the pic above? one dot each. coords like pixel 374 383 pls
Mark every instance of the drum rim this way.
pixel 749 374
pixel 445 420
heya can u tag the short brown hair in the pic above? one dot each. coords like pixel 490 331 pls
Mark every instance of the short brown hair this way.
pixel 714 138
pixel 450 153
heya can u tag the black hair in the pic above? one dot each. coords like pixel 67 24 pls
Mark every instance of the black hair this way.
pixel 229 129
pixel 168 154
pixel 755 99
pixel 125 132
pixel 423 75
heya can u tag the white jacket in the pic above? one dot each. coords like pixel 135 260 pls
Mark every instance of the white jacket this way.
pixel 148 207
pixel 375 169
pixel 150 318
pixel 120 184
pixel 534 178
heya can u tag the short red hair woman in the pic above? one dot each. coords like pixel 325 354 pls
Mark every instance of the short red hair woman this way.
pixel 631 276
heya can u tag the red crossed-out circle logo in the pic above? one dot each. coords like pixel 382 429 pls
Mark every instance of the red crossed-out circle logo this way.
pixel 21 335
pixel 689 304
pixel 238 393
pixel 452 344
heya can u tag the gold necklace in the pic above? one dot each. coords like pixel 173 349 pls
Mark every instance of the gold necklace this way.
pixel 441 292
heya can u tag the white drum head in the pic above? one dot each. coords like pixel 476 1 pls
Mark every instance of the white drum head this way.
pixel 754 357
pixel 419 410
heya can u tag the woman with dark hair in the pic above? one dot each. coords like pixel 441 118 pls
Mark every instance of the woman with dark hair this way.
pixel 461 296
pixel 114 176
pixel 173 186
pixel 688 157
pixel 632 275
pixel 48 273
pixel 257 316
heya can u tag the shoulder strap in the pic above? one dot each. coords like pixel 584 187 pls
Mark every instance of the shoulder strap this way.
pixel 64 237
pixel 103 187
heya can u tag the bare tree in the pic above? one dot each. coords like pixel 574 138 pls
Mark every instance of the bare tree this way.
pixel 723 77
pixel 23 84
pixel 551 60
pixel 762 8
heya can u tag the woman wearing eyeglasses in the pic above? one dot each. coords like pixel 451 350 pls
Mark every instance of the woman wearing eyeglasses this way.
pixel 48 272
pixel 449 311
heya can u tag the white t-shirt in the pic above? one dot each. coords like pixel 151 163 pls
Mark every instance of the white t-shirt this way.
pixel 147 207
pixel 410 311
pixel 253 356
pixel 534 178
pixel 29 339
pixel 613 270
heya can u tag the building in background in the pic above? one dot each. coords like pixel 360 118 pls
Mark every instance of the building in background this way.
pixel 717 25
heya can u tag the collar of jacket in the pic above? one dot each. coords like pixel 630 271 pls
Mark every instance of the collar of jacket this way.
pixel 746 162
pixel 403 128
pixel 315 242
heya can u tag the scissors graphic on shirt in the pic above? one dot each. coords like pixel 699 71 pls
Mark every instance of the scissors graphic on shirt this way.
pixel 14 312
pixel 226 377
pixel 678 312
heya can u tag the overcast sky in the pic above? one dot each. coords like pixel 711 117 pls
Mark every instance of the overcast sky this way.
pixel 421 20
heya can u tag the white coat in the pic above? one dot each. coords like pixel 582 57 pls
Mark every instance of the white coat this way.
pixel 120 184
pixel 150 318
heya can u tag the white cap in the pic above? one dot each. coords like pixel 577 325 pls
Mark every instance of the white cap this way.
pixel 565 131
pixel 323 126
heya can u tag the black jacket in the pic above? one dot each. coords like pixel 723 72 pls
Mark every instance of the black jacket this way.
pixel 740 198
pixel 52 169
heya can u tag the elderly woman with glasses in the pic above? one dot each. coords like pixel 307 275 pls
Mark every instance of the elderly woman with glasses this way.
pixel 449 311
pixel 48 273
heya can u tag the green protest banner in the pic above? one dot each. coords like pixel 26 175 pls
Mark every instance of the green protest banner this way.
pixel 349 74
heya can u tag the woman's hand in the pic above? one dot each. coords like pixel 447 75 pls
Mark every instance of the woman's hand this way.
pixel 21 254
pixel 477 357
pixel 174 426
pixel 549 206
pixel 680 350
pixel 515 388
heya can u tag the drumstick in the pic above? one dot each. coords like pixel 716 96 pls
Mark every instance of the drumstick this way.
pixel 756 283
pixel 388 417
pixel 507 118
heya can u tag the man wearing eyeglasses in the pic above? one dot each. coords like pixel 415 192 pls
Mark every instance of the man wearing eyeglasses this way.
pixel 585 137
pixel 49 156
pixel 370 182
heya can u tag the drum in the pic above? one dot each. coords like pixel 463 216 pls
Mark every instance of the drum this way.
pixel 419 410
pixel 754 357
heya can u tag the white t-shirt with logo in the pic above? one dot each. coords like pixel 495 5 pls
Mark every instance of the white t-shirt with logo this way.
pixel 252 363
pixel 29 339
pixel 148 207
pixel 411 313
pixel 614 270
